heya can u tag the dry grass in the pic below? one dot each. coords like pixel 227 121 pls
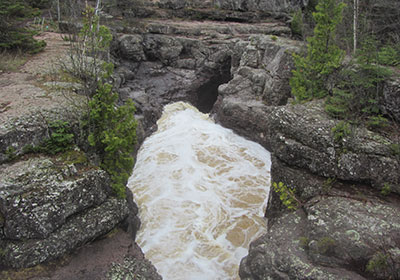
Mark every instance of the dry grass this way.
pixel 12 61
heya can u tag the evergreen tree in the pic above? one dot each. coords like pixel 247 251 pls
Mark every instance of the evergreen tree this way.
pixel 12 33
pixel 323 55
pixel 112 128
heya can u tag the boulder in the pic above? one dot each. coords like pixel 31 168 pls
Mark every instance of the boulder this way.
pixel 78 230
pixel 330 237
pixel 131 47
pixel 49 208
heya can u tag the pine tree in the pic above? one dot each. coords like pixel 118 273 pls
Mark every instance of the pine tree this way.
pixel 323 55
pixel 13 36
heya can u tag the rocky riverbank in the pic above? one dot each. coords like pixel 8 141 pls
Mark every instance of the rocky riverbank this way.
pixel 236 68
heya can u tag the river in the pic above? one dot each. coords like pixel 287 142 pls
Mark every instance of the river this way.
pixel 202 192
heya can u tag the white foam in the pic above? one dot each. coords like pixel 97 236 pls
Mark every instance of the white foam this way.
pixel 201 192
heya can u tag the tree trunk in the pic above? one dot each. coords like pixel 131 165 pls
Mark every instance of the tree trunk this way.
pixel 58 11
pixel 355 24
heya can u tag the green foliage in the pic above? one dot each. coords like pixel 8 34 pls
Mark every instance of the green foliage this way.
pixel 296 24
pixel 326 245
pixel 286 195
pixel 11 153
pixel 376 122
pixel 274 38
pixel 327 185
pixel 340 131
pixel 323 56
pixel 395 149
pixel 88 50
pixel 113 134
pixel 12 35
pixel 357 94
pixel 75 157
pixel 61 138
pixel 386 189
pixel 389 55
pixel 378 263
pixel 111 128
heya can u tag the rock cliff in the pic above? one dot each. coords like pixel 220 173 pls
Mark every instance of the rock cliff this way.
pixel 236 68
pixel 344 221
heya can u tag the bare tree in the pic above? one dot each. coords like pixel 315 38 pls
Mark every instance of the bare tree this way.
pixel 355 25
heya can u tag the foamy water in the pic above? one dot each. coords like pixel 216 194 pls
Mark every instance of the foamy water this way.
pixel 201 192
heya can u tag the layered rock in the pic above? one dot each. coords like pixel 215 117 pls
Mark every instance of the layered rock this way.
pixel 344 222
pixel 49 208
pixel 167 61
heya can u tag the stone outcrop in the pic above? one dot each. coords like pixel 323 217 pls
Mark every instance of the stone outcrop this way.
pixel 165 61
pixel 391 98
pixel 344 221
pixel 49 208
pixel 51 205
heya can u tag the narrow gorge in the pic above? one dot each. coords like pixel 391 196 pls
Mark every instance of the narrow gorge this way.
pixel 232 60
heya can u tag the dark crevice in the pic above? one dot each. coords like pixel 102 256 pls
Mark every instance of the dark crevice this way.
pixel 207 94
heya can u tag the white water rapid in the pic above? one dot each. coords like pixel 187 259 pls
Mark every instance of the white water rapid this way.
pixel 201 191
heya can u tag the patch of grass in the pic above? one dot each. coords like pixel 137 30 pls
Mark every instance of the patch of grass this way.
pixel 11 61
pixel 75 157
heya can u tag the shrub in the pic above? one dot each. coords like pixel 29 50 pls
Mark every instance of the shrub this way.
pixel 286 195
pixel 357 94
pixel 296 24
pixel 340 131
pixel 61 138
pixel 113 133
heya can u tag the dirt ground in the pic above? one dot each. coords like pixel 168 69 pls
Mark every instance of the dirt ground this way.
pixel 23 91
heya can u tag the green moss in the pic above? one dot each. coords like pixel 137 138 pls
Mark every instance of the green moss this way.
pixel 75 157
pixel 386 189
pixel 326 245
pixel 327 185
pixel 11 153
pixel 304 242
pixel 378 263
pixel 395 149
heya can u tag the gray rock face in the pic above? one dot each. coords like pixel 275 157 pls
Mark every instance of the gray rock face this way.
pixel 261 69
pixel 78 230
pixel 263 5
pixel 30 130
pixel 332 237
pixel 185 61
pixel 49 208
pixel 142 269
pixel 238 5
pixel 391 98
pixel 40 199
pixel 344 223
